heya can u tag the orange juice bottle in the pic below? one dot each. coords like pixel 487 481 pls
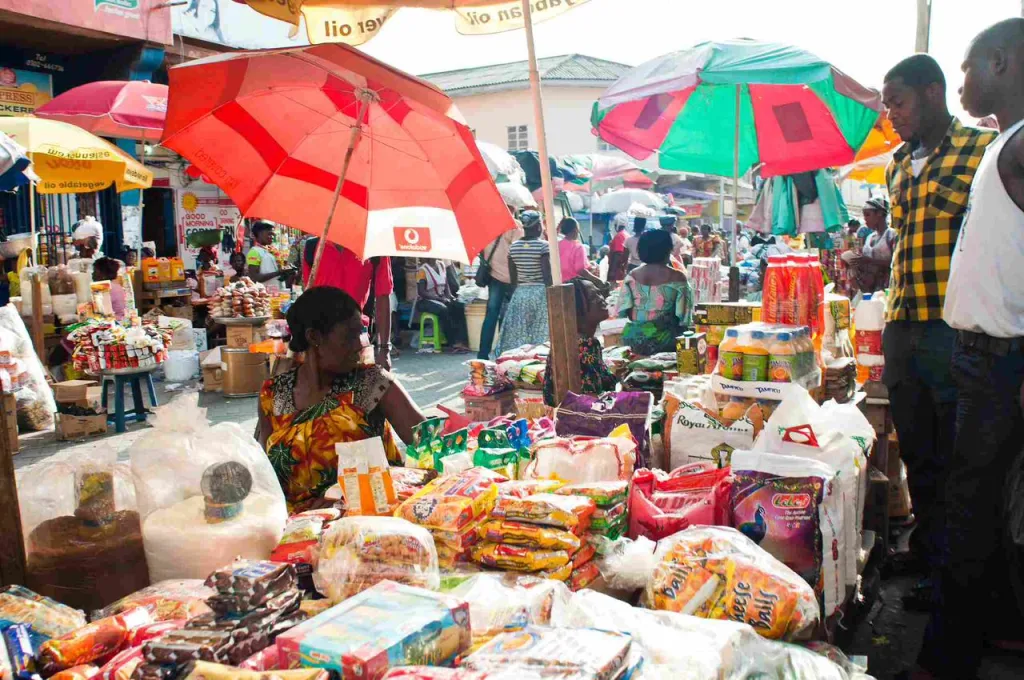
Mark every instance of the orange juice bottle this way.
pixel 783 359
pixel 755 357
pixel 773 292
pixel 730 356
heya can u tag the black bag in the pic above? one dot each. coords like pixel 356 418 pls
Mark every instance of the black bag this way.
pixel 483 272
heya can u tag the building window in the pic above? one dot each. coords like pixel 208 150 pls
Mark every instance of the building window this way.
pixel 605 146
pixel 518 138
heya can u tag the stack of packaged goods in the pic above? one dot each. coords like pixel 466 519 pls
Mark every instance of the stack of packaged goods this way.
pixel 387 626
pixel 242 298
pixel 766 353
pixel 611 516
pixel 794 291
pixel 713 319
pixel 484 379
pixel 357 553
pixel 706 279
pixel 300 542
pixel 107 345
pixel 409 481
pixel 575 652
pixel 452 508
pixel 542 534
pixel 431 449
pixel 255 602
pixel 505 450
pixel 649 374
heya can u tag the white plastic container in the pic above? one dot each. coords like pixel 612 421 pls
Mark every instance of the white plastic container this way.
pixel 869 320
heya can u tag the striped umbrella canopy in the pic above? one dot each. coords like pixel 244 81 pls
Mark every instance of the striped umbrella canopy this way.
pixel 124 109
pixel 723 107
pixel 330 141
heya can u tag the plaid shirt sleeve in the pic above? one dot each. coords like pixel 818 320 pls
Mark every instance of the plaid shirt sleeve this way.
pixel 927 212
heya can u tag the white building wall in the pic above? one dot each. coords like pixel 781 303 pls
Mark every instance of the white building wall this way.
pixel 566 118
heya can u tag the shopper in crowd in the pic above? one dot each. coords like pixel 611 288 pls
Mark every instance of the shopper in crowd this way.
pixel 571 253
pixel 236 262
pixel 595 377
pixel 872 267
pixel 261 262
pixel 364 280
pixel 656 298
pixel 328 398
pixel 499 288
pixel 985 306
pixel 707 244
pixel 617 254
pixel 929 181
pixel 435 296
pixel 526 320
pixel 108 269
pixel 639 227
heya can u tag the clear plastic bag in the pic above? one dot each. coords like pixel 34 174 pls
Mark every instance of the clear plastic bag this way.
pixel 586 459
pixel 499 603
pixel 718 573
pixel 165 601
pixel 357 553
pixel 34 398
pixel 206 494
pixel 83 540
pixel 626 565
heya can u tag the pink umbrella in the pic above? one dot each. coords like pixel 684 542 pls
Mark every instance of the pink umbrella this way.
pixel 133 109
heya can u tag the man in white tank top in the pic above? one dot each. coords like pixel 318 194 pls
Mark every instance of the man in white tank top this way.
pixel 985 305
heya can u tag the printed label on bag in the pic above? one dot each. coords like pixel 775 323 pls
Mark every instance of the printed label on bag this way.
pixel 868 342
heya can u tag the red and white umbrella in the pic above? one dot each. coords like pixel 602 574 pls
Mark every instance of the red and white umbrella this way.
pixel 277 129
pixel 124 109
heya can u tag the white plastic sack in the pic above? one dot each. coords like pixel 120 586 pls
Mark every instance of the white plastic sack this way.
pixel 579 461
pixel 838 435
pixel 692 434
pixel 35 402
pixel 779 517
pixel 168 464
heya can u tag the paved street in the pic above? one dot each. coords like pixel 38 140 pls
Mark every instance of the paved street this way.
pixel 430 379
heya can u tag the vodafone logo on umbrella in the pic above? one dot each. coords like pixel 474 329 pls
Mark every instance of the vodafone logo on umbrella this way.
pixel 412 239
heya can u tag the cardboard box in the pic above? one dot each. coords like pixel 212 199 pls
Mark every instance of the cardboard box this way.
pixel 691 353
pixel 726 313
pixel 73 390
pixel 482 409
pixel 213 374
pixel 240 337
pixel 387 625
pixel 76 427
pixel 11 416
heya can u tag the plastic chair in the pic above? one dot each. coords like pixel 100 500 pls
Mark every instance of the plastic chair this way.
pixel 437 338
pixel 119 417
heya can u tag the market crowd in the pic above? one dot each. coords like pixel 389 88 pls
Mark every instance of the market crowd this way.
pixel 946 240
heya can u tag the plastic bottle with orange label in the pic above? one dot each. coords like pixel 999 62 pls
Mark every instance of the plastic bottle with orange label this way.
pixel 783 359
pixel 755 357
pixel 730 356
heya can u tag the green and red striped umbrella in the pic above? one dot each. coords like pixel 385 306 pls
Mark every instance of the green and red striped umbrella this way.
pixel 791 111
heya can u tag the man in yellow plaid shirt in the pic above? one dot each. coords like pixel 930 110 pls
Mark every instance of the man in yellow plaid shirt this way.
pixel 929 183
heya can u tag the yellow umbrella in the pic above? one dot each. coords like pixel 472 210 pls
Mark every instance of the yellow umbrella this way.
pixel 70 160
pixel 882 139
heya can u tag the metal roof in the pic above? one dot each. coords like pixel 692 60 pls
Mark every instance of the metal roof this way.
pixel 570 69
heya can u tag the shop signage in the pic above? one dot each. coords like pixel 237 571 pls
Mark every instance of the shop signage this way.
pixel 22 92
pixel 138 19
pixel 198 209
pixel 226 22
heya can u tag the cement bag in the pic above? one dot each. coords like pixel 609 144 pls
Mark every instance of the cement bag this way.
pixel 207 495
pixel 693 433
pixel 838 435
pixel 791 507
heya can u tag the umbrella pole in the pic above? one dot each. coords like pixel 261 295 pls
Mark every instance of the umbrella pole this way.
pixel 32 221
pixel 353 139
pixel 734 272
pixel 565 365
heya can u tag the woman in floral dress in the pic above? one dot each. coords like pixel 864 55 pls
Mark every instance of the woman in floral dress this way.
pixel 329 398
pixel 656 298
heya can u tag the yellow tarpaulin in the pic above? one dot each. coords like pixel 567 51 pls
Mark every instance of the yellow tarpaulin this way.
pixel 353 22
pixel 70 160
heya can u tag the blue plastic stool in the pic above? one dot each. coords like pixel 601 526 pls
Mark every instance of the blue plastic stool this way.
pixel 119 417
pixel 437 338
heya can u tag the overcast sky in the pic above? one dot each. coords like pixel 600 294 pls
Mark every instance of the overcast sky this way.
pixel 861 37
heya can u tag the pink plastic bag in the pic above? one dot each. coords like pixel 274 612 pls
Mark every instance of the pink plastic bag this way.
pixel 660 506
